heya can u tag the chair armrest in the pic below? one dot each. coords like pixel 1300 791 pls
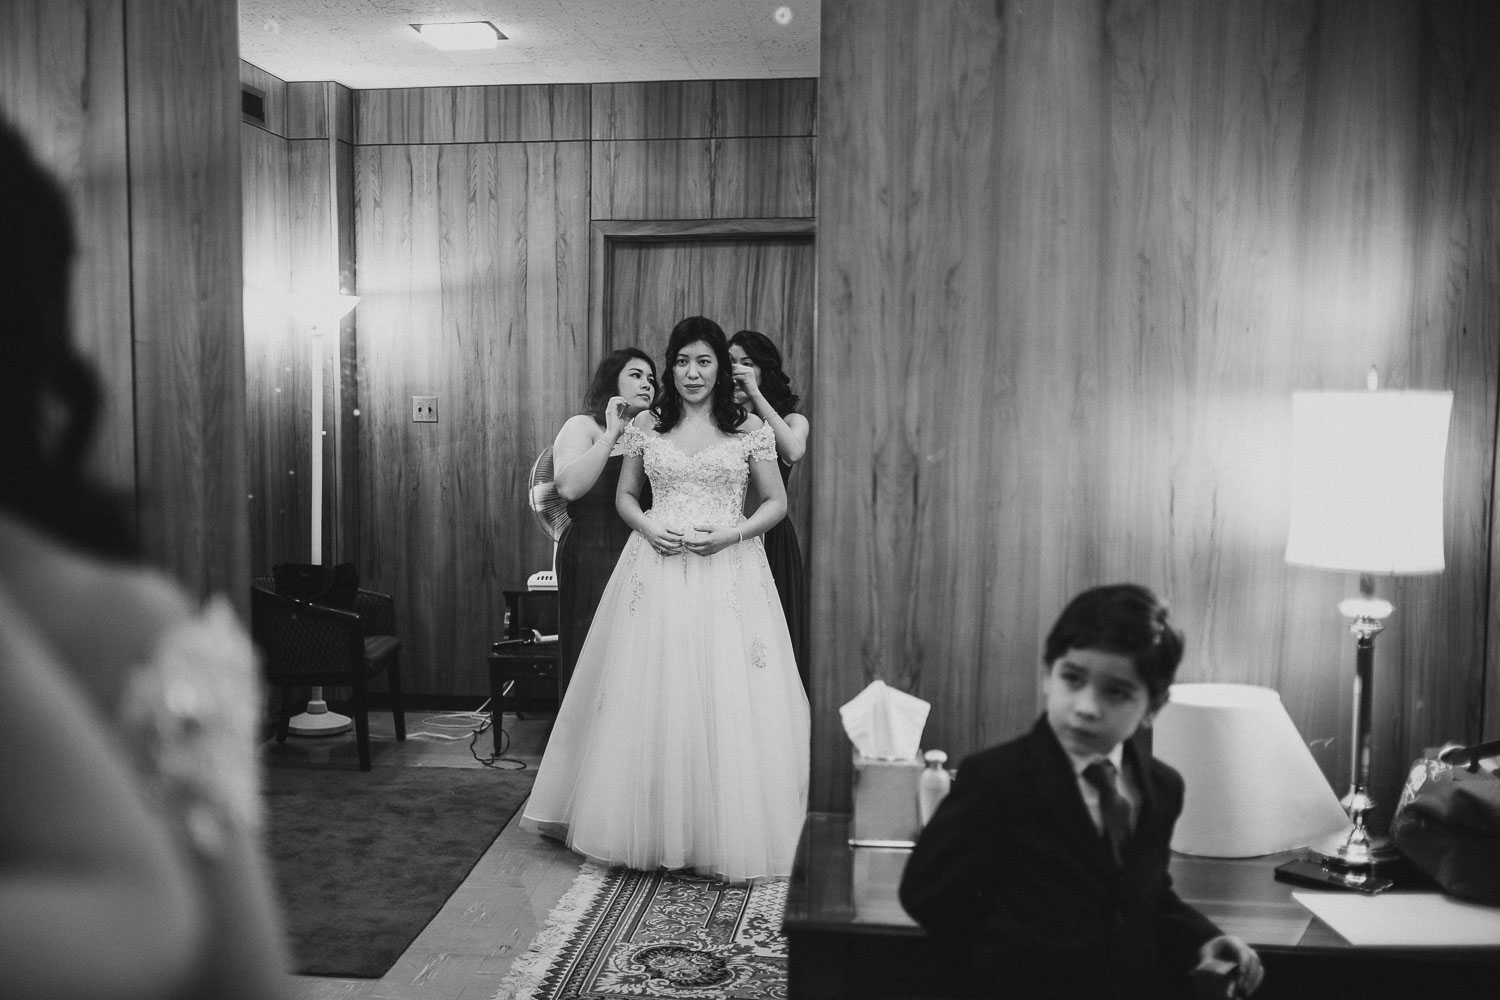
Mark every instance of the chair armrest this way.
pixel 377 611
pixel 546 645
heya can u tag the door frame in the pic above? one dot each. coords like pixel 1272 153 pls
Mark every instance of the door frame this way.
pixel 601 234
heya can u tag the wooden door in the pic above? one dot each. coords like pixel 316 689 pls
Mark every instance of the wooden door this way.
pixel 744 275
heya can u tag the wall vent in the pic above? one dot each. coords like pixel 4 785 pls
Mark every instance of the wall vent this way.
pixel 252 104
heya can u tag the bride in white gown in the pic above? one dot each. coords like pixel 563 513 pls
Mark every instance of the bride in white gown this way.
pixel 683 739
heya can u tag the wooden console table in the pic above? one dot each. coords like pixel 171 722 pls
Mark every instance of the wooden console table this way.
pixel 848 936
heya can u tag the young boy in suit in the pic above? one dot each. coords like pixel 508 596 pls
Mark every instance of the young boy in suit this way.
pixel 1049 867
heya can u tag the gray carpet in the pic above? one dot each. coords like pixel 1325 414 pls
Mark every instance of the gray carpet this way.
pixel 364 860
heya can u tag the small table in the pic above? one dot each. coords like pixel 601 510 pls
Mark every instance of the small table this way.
pixel 848 936
pixel 520 657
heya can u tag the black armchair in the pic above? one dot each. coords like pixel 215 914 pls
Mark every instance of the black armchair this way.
pixel 303 644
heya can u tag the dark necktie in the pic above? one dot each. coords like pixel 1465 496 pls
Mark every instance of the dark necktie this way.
pixel 1114 811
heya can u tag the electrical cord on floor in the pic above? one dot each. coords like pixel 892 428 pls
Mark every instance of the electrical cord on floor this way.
pixel 472 725
pixel 502 743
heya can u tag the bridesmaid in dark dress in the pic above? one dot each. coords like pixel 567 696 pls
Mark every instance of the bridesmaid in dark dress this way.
pixel 763 388
pixel 586 464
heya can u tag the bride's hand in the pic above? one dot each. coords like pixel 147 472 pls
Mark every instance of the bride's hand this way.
pixel 706 539
pixel 666 541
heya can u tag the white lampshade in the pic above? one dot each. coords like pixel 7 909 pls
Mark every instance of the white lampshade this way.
pixel 1253 787
pixel 321 309
pixel 1367 480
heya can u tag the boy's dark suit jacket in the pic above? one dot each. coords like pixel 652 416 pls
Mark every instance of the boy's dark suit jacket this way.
pixel 1013 869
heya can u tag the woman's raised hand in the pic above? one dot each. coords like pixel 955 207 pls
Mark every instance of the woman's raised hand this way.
pixel 614 416
pixel 744 380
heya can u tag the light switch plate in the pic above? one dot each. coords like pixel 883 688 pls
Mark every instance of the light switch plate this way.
pixel 424 409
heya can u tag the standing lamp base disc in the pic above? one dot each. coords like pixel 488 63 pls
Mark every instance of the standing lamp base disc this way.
pixel 1366 852
pixel 323 723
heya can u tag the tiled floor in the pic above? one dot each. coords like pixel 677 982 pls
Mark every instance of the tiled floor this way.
pixel 465 951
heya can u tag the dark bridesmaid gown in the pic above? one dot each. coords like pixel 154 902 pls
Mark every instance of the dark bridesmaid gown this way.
pixel 586 555
pixel 785 557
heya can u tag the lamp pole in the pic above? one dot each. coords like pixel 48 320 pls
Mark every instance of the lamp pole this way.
pixel 317 720
pixel 1357 846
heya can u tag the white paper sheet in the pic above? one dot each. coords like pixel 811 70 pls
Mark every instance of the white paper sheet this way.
pixel 1405 919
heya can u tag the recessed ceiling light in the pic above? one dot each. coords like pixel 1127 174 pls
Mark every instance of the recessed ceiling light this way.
pixel 460 35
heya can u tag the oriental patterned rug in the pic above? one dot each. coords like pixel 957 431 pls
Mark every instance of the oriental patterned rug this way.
pixel 620 933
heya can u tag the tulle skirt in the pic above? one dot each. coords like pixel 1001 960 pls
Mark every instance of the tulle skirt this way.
pixel 683 739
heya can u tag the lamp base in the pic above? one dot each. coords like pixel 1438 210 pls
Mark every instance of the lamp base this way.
pixel 1354 847
pixel 318 721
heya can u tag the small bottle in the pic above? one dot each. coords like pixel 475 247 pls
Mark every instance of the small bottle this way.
pixel 932 786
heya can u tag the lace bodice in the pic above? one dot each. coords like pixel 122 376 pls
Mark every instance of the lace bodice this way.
pixel 189 713
pixel 707 487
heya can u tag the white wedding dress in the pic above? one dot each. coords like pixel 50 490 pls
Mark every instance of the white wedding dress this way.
pixel 683 739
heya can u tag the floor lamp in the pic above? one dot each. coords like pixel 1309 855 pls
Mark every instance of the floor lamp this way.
pixel 1367 498
pixel 319 313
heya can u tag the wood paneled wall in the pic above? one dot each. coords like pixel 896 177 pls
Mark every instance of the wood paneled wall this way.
pixel 154 174
pixel 472 220
pixel 711 149
pixel 296 166
pixel 473 263
pixel 1073 260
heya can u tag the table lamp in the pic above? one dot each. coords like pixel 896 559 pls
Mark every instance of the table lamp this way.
pixel 1253 787
pixel 1367 498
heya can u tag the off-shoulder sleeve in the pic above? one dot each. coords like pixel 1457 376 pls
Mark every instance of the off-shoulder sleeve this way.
pixel 190 714
pixel 760 444
pixel 633 440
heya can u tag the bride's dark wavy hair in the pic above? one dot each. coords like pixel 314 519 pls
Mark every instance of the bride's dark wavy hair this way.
pixel 728 414
pixel 49 396
pixel 774 383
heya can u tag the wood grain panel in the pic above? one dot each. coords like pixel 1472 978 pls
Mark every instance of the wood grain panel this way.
pixel 1185 213
pixel 1205 327
pixel 307 109
pixel 275 90
pixel 701 109
pixel 703 179
pixel 679 109
pixel 319 109
pixel 343 113
pixel 917 516
pixel 62 73
pixel 472 292
pixel 764 178
pixel 278 397
pixel 763 108
pixel 1456 309
pixel 657 179
pixel 528 113
pixel 187 288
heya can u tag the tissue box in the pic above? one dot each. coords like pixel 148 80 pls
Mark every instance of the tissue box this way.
pixel 886 813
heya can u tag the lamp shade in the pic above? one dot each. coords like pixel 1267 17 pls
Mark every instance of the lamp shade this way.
pixel 322 309
pixel 1253 787
pixel 1367 480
